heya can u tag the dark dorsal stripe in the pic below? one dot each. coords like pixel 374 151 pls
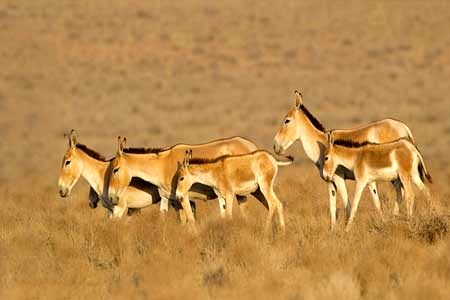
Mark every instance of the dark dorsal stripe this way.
pixel 144 150
pixel 351 143
pixel 312 119
pixel 91 153
pixel 203 161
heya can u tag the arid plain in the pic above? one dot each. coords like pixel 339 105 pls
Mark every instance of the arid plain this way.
pixel 163 72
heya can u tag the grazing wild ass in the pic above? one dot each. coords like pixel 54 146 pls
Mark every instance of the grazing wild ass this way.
pixel 159 166
pixel 399 160
pixel 81 161
pixel 233 175
pixel 300 124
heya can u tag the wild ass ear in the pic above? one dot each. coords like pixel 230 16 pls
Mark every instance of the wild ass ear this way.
pixel 73 139
pixel 121 143
pixel 187 158
pixel 330 137
pixel 298 98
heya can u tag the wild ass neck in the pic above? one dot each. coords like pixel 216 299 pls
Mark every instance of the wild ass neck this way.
pixel 93 171
pixel 312 139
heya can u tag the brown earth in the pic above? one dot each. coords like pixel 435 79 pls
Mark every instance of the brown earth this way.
pixel 162 72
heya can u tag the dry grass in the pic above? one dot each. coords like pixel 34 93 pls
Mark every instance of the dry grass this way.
pixel 161 72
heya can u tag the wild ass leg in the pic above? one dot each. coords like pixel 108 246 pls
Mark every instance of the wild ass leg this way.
pixel 242 202
pixel 229 199
pixel 360 185
pixel 332 199
pixel 372 186
pixel 185 203
pixel 409 194
pixel 164 205
pixel 342 190
pixel 399 196
pixel 279 208
pixel 222 206
pixel 422 187
pixel 271 204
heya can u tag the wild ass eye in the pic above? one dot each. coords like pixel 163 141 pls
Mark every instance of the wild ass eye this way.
pixel 67 163
pixel 181 178
pixel 116 170
pixel 287 121
pixel 326 158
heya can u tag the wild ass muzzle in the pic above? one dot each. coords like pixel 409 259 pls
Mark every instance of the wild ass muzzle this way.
pixel 399 162
pixel 300 124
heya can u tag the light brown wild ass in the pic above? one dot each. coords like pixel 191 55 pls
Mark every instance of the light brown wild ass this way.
pixel 398 160
pixel 159 167
pixel 81 161
pixel 233 175
pixel 300 124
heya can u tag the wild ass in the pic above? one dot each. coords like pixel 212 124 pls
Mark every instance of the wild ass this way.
pixel 233 175
pixel 159 166
pixel 300 124
pixel 398 160
pixel 81 161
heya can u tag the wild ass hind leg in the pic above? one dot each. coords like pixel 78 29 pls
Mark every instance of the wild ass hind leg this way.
pixel 342 190
pixel 243 203
pixel 423 188
pixel 372 186
pixel 266 188
pixel 399 196
pixel 360 185
pixel 409 193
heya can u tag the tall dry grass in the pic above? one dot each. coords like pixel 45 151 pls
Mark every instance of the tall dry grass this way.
pixel 53 248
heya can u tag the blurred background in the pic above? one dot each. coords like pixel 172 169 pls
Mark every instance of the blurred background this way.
pixel 163 72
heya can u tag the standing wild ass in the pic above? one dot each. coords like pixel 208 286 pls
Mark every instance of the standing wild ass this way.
pixel 159 167
pixel 300 124
pixel 81 161
pixel 233 175
pixel 398 160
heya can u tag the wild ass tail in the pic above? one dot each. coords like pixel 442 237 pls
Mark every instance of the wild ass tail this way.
pixel 423 169
pixel 289 159
pixel 410 136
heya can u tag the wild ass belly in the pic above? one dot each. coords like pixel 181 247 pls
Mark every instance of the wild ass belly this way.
pixel 384 174
pixel 246 187
pixel 136 198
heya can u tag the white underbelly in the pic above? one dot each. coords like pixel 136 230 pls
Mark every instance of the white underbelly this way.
pixel 384 174
pixel 245 188
pixel 140 201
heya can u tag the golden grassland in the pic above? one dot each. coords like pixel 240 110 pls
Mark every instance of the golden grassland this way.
pixel 162 72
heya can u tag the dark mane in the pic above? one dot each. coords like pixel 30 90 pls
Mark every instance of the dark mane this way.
pixel 91 153
pixel 316 123
pixel 143 150
pixel 202 161
pixel 351 143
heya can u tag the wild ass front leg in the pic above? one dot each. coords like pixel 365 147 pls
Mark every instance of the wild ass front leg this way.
pixel 372 186
pixel 222 206
pixel 342 190
pixel 164 205
pixel 229 199
pixel 332 199
pixel 358 192
pixel 185 203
